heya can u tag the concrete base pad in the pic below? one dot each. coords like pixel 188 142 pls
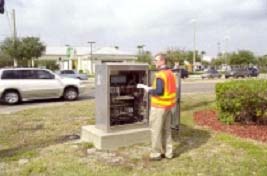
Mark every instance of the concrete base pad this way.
pixel 113 140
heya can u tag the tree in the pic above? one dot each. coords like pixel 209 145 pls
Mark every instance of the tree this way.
pixel 218 61
pixel 12 49
pixel 23 50
pixel 177 55
pixel 32 48
pixel 174 56
pixel 242 57
pixel 205 63
pixel 146 57
pixel 5 60
pixel 262 61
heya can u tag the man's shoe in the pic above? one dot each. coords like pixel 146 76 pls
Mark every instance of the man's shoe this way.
pixel 168 157
pixel 155 158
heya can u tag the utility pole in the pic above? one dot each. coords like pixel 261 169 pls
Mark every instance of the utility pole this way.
pixel 91 54
pixel 14 35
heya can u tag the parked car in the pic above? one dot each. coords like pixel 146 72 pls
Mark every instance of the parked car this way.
pixel 184 73
pixel 242 72
pixel 72 74
pixel 211 73
pixel 253 72
pixel 22 84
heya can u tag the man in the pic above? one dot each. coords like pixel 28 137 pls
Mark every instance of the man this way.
pixel 163 100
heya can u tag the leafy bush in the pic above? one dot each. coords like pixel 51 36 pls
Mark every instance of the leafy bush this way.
pixel 242 101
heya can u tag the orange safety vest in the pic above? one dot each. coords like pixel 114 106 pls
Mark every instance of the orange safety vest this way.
pixel 168 99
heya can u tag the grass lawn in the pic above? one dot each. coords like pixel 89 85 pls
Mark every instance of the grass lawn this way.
pixel 41 142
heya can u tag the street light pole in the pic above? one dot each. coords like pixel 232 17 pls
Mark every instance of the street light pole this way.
pixel 194 56
pixel 91 54
pixel 14 35
pixel 226 39
pixel 194 43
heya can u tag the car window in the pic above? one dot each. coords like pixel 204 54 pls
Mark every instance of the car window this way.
pixel 27 74
pixel 43 74
pixel 210 71
pixel 10 74
pixel 68 72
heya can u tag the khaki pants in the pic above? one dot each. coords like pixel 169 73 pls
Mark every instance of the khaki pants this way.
pixel 161 139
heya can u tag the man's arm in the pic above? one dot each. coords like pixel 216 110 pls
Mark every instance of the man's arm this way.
pixel 159 88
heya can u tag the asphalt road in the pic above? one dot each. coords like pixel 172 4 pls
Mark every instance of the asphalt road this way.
pixel 188 87
pixel 199 86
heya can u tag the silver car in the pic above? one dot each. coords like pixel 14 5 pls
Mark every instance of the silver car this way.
pixel 22 84
pixel 72 74
pixel 211 73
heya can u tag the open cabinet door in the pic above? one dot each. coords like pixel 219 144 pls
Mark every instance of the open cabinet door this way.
pixel 177 111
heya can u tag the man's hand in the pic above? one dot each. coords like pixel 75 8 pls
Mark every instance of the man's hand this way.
pixel 145 87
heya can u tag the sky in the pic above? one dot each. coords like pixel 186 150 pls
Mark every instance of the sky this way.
pixel 221 25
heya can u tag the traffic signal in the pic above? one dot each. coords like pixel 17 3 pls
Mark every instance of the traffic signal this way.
pixel 2 4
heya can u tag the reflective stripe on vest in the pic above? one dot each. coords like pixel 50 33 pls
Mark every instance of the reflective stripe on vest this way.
pixel 168 99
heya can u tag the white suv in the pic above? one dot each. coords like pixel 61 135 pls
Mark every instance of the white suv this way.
pixel 21 84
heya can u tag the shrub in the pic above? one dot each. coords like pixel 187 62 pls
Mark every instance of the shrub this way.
pixel 242 101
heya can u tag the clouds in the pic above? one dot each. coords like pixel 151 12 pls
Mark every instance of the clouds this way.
pixel 156 23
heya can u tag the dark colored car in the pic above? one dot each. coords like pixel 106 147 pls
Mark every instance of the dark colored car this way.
pixel 253 72
pixel 211 73
pixel 242 72
pixel 184 73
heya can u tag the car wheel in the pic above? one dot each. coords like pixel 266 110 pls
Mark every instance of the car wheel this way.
pixel 70 94
pixel 11 97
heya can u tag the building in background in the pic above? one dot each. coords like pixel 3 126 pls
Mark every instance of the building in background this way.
pixel 79 58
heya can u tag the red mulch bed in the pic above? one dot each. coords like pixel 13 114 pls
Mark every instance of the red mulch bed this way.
pixel 209 119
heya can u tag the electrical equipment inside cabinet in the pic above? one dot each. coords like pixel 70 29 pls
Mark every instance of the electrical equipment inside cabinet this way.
pixel 128 105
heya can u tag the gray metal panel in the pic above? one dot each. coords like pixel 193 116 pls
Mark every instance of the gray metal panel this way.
pixel 101 97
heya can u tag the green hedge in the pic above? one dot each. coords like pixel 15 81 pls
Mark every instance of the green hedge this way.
pixel 242 101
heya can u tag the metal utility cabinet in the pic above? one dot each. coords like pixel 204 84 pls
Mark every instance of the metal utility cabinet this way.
pixel 122 109
pixel 119 104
